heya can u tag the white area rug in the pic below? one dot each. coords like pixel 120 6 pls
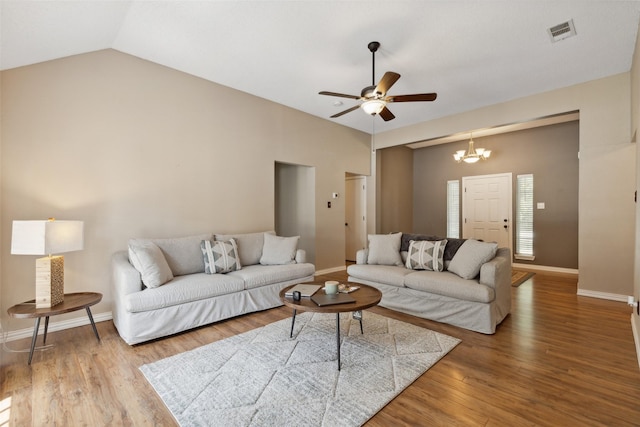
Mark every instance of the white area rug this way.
pixel 264 378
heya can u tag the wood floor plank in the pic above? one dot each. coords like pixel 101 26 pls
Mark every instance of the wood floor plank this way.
pixel 557 359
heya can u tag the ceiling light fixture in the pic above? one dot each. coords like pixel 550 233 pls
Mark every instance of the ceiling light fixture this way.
pixel 373 106
pixel 472 155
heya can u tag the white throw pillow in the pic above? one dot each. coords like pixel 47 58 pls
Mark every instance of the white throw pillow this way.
pixel 467 262
pixel 150 262
pixel 279 250
pixel 384 249
pixel 220 257
pixel 426 255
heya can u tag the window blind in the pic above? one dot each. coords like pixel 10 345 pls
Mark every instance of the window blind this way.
pixel 453 209
pixel 524 215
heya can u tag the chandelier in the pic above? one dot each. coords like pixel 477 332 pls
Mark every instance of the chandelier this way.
pixel 472 155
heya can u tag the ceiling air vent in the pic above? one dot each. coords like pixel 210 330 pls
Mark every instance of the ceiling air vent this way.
pixel 562 31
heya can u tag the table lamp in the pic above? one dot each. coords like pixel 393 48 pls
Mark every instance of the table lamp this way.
pixel 47 237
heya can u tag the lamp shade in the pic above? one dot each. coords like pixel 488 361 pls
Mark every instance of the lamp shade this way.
pixel 46 237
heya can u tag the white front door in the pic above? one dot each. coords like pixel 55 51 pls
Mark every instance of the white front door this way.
pixel 486 208
pixel 355 221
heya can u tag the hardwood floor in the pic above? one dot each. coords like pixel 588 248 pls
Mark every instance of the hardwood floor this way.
pixel 557 360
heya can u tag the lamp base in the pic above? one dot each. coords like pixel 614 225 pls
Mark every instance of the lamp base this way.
pixel 49 281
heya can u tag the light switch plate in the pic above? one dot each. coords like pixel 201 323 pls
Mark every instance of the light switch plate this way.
pixel 540 205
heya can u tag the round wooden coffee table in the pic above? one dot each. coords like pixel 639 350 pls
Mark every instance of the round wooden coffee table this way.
pixel 365 297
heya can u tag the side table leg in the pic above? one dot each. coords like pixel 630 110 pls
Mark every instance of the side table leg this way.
pixel 293 322
pixel 338 337
pixel 46 328
pixel 33 340
pixel 93 324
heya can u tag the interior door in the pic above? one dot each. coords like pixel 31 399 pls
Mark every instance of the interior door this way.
pixel 355 219
pixel 486 208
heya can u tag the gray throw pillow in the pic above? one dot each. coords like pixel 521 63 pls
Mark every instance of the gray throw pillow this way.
pixel 467 262
pixel 384 249
pixel 426 255
pixel 220 257
pixel 279 250
pixel 150 262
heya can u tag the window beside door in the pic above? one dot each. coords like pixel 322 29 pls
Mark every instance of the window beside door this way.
pixel 453 209
pixel 524 217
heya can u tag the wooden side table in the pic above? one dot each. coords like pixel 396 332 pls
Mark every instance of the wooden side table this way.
pixel 72 302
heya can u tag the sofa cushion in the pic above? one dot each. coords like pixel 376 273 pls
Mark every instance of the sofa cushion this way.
pixel 249 245
pixel 384 249
pixel 219 256
pixel 183 254
pixel 472 254
pixel 183 289
pixel 386 274
pixel 148 259
pixel 426 255
pixel 279 250
pixel 255 276
pixel 449 285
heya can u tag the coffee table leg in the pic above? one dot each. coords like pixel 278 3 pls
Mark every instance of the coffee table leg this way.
pixel 95 330
pixel 46 328
pixel 338 336
pixel 35 337
pixel 293 322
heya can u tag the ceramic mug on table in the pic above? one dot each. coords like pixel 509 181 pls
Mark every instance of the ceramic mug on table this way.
pixel 331 287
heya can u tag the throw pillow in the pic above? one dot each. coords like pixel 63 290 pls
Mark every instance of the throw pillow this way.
pixel 384 249
pixel 150 262
pixel 467 262
pixel 426 255
pixel 249 245
pixel 220 257
pixel 279 250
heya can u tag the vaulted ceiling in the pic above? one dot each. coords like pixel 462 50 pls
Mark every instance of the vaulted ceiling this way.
pixel 473 53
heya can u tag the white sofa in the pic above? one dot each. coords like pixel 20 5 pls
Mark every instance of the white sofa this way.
pixel 168 290
pixel 478 301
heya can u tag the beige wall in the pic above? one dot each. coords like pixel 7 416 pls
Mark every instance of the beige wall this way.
pixel 607 169
pixel 139 150
pixel 395 212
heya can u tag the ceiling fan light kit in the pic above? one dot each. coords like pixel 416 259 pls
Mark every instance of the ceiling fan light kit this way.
pixel 374 98
pixel 472 155
pixel 373 106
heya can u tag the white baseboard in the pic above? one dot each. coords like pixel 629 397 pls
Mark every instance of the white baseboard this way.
pixel 544 268
pixel 601 295
pixel 56 326
pixel 635 328
pixel 330 270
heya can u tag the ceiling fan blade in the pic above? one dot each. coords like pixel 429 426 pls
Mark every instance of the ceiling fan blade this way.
pixel 412 98
pixel 342 95
pixel 355 107
pixel 387 81
pixel 386 114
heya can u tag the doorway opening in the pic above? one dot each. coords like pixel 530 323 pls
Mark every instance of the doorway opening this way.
pixel 355 222
pixel 295 205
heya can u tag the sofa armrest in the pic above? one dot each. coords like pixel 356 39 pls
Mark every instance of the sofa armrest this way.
pixel 361 256
pixel 497 272
pixel 301 256
pixel 125 278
